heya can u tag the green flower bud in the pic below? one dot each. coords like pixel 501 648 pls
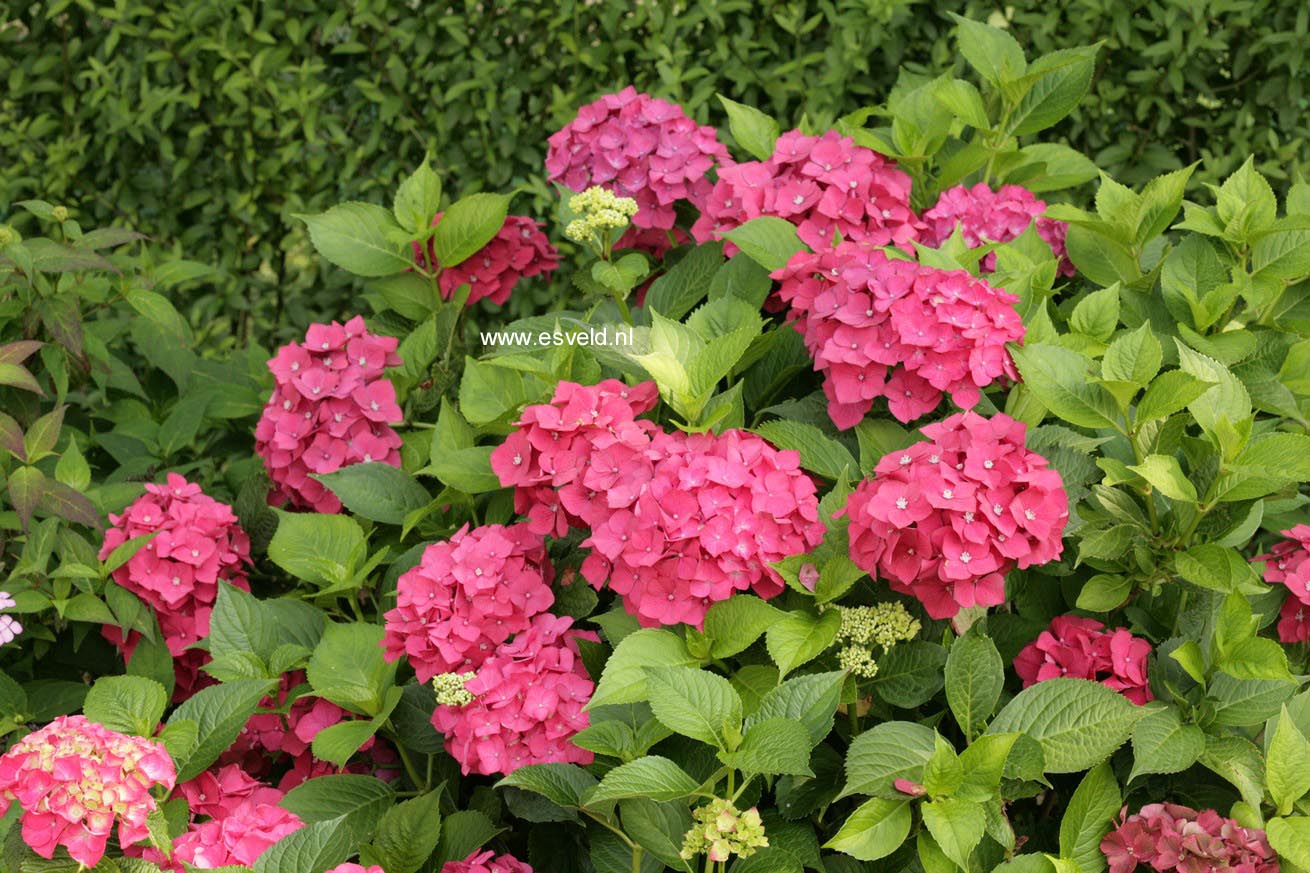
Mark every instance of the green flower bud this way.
pixel 858 661
pixel 450 689
pixel 720 831
pixel 7 235
pixel 60 213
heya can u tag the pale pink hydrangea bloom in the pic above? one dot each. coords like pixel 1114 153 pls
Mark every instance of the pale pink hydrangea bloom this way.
pixel 9 626
pixel 637 146
pixel 1167 837
pixel 825 185
pixel 467 596
pixel 878 327
pixel 519 250
pixel 987 216
pixel 945 519
pixel 677 522
pixel 331 407
pixel 356 868
pixel 198 542
pixel 480 861
pixel 529 700
pixel 239 837
pixel 1081 648
pixel 73 778
pixel 1288 564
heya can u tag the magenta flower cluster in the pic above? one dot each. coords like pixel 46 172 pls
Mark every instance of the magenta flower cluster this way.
pixel 466 597
pixel 878 327
pixel 486 862
pixel 1288 564
pixel 1168 837
pixel 678 522
pixel 74 778
pixel 519 250
pixel 987 216
pixel 945 519
pixel 1082 648
pixel 636 146
pixel 825 185
pixel 197 542
pixel 529 699
pixel 331 407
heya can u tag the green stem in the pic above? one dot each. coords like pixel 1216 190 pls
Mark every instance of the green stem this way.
pixel 636 859
pixel 620 834
pixel 623 309
pixel 410 769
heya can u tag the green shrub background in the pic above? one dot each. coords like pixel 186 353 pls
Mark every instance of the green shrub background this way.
pixel 209 123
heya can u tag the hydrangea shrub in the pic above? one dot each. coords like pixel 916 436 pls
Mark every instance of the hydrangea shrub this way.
pixel 862 511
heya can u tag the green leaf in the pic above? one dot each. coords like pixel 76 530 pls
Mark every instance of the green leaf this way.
pixel 354 802
pixel 695 703
pixel 874 830
pixel 1162 743
pixel 993 53
pixel 317 548
pixel 348 667
pixel 675 293
pixel 1077 722
pixel 1061 80
pixel 752 129
pixel 1165 475
pixel 1287 765
pixel 1290 838
pixel 409 832
pixel 1240 762
pixel 337 743
pixel 773 747
pixel 1227 400
pixel 658 828
pixel 1088 817
pixel 1214 567
pixel 468 225
pixel 418 199
pixel 1059 378
pixel 819 452
pixel 1168 393
pixel 799 638
pixel 652 777
pixel 358 237
pixel 957 826
pixel 734 624
pixel 624 677
pixel 377 491
pixel 1246 202
pixel 311 849
pixel 1241 702
pixel 983 765
pixel 812 700
pixel 910 673
pixel 219 713
pixel 1134 357
pixel 127 704
pixel 562 784
pixel 886 752
pixel 767 240
pixel 461 833
pixel 975 676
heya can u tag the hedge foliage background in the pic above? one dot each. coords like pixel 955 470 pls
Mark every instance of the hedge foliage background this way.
pixel 208 123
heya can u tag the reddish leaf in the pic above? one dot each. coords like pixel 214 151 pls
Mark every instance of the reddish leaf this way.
pixel 63 318
pixel 26 485
pixel 16 353
pixel 19 377
pixel 68 503
pixel 11 437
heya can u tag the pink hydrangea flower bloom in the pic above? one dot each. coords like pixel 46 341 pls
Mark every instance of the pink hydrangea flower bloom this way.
pixel 197 543
pixel 528 702
pixel 467 596
pixel 356 868
pixel 878 327
pixel 9 626
pixel 484 862
pixel 1082 648
pixel 519 250
pixel 1168 837
pixel 331 407
pixel 825 185
pixel 987 216
pixel 945 519
pixel 676 522
pixel 239 837
pixel 73 778
pixel 637 146
pixel 216 793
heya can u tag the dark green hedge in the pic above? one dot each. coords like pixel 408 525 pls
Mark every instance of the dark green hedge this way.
pixel 208 123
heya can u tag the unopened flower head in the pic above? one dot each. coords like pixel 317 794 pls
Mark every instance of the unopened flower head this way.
pixel 883 624
pixel 8 235
pixel 602 218
pixel 858 660
pixel 721 831
pixel 59 213
pixel 452 689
